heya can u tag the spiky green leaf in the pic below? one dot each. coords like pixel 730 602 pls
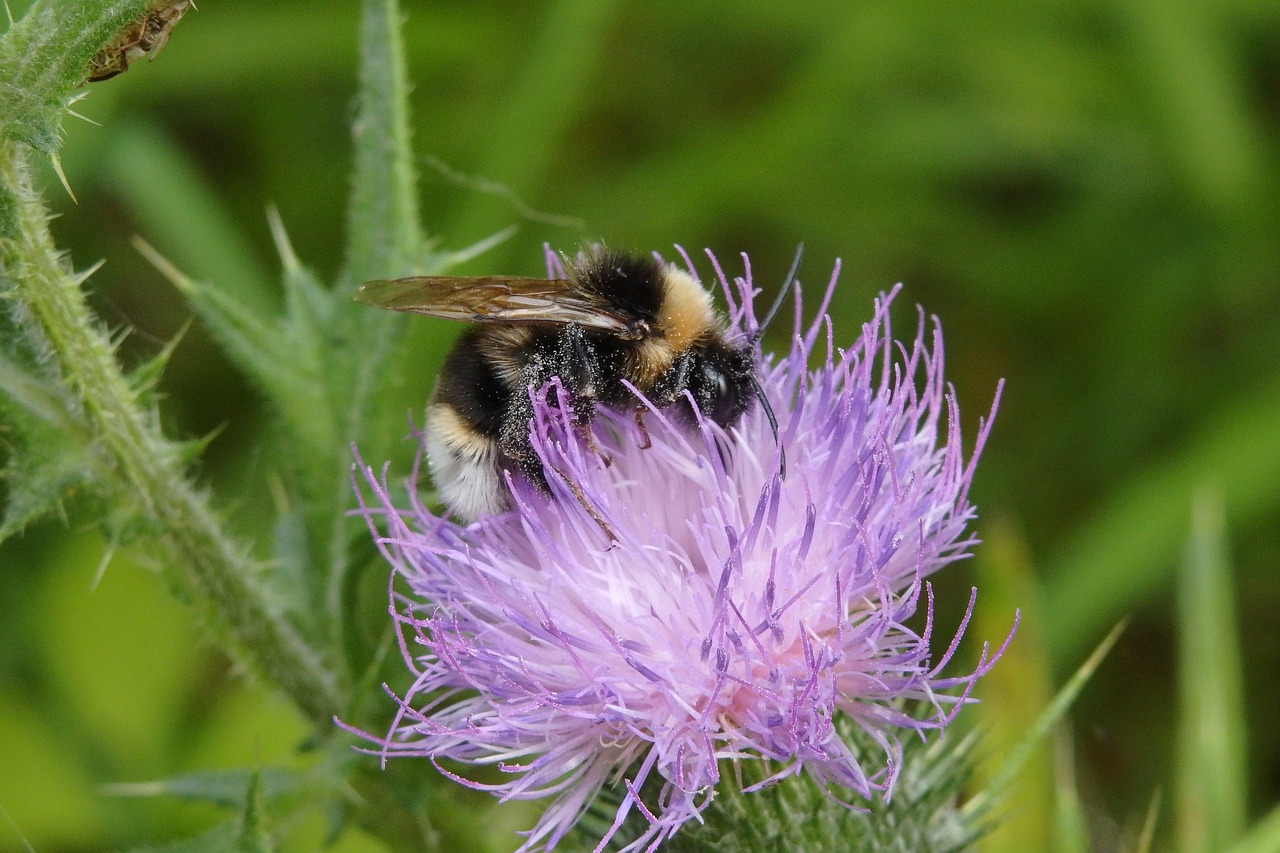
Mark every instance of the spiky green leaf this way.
pixel 48 454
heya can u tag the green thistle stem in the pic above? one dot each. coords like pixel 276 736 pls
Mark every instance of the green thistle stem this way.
pixel 200 561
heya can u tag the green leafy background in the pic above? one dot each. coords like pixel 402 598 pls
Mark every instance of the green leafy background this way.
pixel 1086 193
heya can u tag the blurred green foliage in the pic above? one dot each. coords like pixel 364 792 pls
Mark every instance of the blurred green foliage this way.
pixel 1087 194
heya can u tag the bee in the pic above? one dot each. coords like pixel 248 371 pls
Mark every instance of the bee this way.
pixel 616 322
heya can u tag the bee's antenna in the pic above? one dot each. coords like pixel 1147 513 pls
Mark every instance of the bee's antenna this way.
pixel 755 338
pixel 773 425
pixel 782 295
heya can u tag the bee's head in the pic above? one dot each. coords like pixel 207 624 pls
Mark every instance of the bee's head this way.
pixel 723 382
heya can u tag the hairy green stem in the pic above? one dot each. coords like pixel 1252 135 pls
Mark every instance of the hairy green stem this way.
pixel 384 239
pixel 200 560
pixel 384 236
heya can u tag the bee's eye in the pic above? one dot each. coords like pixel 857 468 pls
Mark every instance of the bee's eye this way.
pixel 719 396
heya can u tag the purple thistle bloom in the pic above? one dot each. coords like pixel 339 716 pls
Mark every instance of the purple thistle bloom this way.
pixel 675 603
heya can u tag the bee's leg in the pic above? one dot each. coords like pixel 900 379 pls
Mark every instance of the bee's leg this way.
pixel 581 498
pixel 584 432
pixel 567 356
pixel 645 441
pixel 531 467
pixel 577 364
pixel 571 358
pixel 671 386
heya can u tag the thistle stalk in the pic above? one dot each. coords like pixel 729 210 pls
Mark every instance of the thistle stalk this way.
pixel 203 565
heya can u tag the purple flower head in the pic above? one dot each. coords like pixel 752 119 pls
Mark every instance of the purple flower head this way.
pixel 677 603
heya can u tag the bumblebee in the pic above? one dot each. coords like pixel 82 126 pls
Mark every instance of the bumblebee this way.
pixel 615 320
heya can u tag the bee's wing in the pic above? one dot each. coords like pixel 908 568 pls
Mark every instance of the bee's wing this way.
pixel 496 299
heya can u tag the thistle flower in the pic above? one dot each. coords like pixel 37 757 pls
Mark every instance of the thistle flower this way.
pixel 678 603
